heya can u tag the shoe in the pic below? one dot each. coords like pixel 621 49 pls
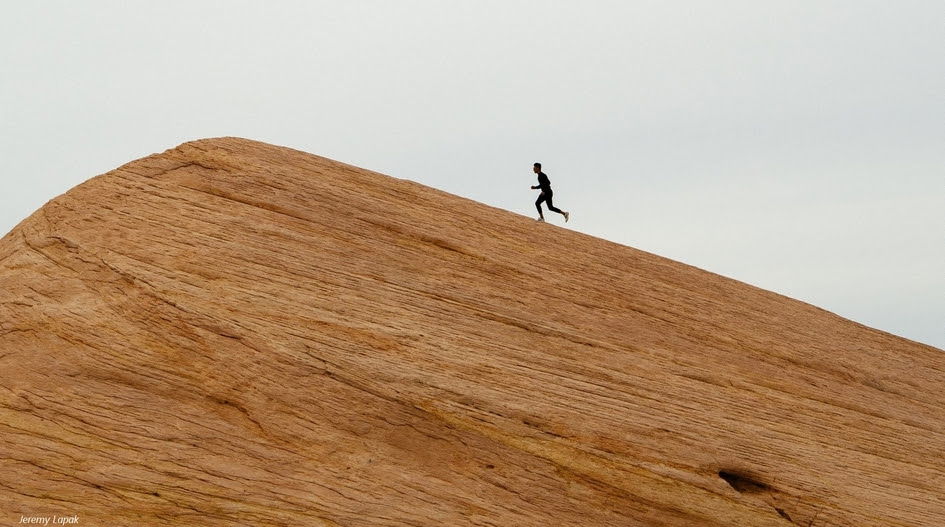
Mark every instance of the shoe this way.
pixel 566 216
pixel 541 220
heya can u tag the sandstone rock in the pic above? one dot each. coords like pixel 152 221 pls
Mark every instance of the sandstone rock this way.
pixel 233 333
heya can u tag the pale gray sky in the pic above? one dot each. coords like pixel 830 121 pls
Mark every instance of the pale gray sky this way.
pixel 797 145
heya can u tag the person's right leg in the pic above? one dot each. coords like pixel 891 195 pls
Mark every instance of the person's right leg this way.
pixel 541 198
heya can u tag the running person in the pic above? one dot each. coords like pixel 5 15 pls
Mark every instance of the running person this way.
pixel 546 194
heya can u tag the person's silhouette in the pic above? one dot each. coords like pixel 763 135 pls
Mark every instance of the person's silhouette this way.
pixel 544 184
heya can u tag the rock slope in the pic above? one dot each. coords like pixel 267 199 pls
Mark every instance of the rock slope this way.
pixel 234 333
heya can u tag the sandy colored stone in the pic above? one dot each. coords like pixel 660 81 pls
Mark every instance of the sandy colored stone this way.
pixel 234 333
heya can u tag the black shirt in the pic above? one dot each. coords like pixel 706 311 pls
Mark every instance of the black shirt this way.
pixel 544 183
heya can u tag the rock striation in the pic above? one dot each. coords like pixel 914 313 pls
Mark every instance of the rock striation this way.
pixel 234 333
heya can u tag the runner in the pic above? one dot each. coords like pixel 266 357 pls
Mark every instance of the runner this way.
pixel 544 184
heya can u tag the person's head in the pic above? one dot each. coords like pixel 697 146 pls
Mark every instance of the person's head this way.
pixel 536 168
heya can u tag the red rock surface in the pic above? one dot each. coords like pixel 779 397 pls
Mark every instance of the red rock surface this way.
pixel 233 333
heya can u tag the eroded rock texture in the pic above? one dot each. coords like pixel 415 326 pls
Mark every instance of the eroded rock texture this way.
pixel 233 333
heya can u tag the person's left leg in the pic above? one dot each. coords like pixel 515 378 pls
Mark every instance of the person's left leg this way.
pixel 551 207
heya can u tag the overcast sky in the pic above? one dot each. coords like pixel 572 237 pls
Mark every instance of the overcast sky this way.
pixel 796 145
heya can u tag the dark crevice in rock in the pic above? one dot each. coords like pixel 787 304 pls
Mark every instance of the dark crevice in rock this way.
pixel 743 482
